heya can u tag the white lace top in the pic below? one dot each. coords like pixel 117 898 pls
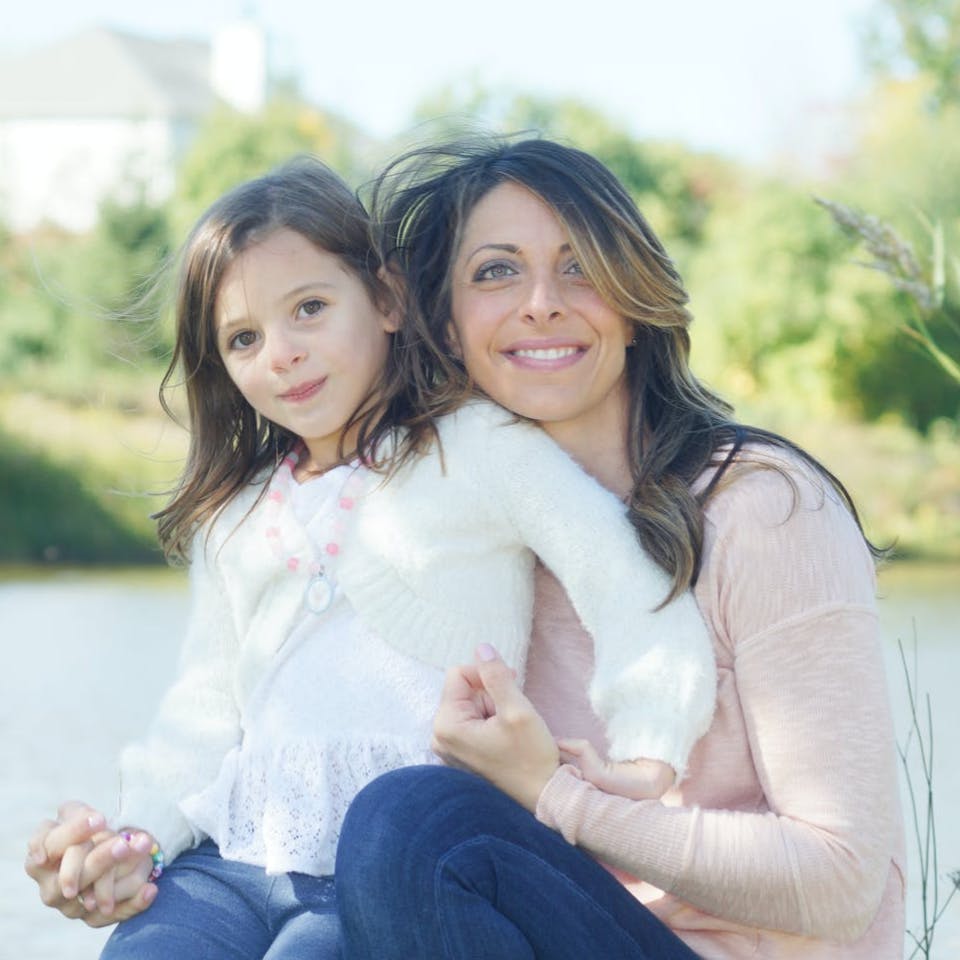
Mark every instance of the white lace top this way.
pixel 337 708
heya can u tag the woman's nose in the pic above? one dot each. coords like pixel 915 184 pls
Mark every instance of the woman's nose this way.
pixel 544 299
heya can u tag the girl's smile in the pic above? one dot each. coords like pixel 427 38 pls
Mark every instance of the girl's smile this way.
pixel 303 391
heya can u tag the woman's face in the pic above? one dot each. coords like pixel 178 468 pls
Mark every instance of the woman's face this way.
pixel 532 332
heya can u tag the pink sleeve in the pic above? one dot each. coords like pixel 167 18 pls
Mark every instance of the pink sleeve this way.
pixel 789 596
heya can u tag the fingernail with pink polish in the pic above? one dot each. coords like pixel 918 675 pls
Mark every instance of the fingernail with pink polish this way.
pixel 486 653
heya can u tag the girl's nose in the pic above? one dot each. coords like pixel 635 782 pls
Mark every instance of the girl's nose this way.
pixel 286 352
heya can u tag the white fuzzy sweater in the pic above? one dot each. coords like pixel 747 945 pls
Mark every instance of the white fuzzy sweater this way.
pixel 435 561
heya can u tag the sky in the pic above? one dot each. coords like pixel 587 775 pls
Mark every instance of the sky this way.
pixel 741 77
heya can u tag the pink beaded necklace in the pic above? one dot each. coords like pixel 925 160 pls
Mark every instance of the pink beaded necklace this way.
pixel 321 587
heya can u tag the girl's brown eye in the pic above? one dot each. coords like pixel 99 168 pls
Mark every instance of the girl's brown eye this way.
pixel 239 341
pixel 312 307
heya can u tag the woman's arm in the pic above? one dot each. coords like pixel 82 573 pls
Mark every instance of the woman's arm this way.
pixel 789 591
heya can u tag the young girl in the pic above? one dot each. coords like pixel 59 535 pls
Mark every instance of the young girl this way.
pixel 345 548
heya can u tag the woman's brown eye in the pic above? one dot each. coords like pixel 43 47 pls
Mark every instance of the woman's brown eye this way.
pixel 495 271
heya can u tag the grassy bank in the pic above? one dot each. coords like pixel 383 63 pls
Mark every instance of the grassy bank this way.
pixel 80 483
pixel 80 480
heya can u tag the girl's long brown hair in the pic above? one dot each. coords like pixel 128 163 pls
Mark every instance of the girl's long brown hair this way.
pixel 230 444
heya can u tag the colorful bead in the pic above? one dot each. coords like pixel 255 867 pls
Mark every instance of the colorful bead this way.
pixel 156 855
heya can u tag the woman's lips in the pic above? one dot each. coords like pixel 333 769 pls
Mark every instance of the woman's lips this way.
pixel 303 391
pixel 545 356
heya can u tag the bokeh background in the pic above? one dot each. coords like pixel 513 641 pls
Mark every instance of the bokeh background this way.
pixel 800 162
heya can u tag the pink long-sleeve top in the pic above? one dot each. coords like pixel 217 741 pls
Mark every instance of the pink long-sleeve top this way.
pixel 785 840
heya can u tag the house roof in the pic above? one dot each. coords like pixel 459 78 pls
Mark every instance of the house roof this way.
pixel 102 72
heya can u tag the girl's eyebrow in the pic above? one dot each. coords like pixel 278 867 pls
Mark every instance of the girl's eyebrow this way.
pixel 294 292
pixel 231 324
pixel 309 285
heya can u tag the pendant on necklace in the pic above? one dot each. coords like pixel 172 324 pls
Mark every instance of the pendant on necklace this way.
pixel 319 593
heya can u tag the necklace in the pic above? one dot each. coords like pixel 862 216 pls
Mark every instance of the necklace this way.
pixel 321 588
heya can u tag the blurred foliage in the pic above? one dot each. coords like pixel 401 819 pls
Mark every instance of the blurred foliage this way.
pixel 921 35
pixel 674 186
pixel 789 325
pixel 231 147
pixel 49 515
pixel 80 481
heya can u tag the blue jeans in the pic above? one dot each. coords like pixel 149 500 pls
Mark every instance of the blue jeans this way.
pixel 437 863
pixel 208 908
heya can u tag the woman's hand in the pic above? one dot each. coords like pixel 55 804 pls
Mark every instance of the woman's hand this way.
pixel 486 725
pixel 88 872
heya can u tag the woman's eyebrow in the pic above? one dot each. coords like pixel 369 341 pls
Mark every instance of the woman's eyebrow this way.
pixel 504 247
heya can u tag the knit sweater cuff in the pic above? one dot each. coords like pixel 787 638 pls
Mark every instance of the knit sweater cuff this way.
pixel 636 732
pixel 638 837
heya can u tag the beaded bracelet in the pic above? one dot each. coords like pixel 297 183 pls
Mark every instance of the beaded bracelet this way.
pixel 156 855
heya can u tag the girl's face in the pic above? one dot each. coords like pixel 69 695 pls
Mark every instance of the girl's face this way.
pixel 532 332
pixel 301 339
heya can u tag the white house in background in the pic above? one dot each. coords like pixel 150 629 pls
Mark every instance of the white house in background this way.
pixel 104 109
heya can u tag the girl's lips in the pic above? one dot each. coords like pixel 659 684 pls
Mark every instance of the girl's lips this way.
pixel 303 391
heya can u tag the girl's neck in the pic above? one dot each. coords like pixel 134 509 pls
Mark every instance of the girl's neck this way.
pixel 315 463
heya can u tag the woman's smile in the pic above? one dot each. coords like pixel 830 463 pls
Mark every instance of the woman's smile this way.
pixel 545 356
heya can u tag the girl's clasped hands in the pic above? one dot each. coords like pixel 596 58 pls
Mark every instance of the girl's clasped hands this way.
pixel 89 871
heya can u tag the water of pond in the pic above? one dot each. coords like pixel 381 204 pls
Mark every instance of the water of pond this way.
pixel 87 657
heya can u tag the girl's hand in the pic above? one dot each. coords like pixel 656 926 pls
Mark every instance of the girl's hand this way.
pixel 637 779
pixel 486 725
pixel 114 870
pixel 57 862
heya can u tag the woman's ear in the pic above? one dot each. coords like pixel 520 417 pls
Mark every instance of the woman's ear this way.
pixel 453 341
pixel 392 300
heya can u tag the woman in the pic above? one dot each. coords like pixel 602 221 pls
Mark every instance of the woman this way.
pixel 533 278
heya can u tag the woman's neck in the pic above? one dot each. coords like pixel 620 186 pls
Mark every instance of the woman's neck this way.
pixel 602 453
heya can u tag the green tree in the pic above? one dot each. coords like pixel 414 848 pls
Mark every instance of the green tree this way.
pixel 768 311
pixel 923 36
pixel 903 174
pixel 232 147
pixel 674 186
